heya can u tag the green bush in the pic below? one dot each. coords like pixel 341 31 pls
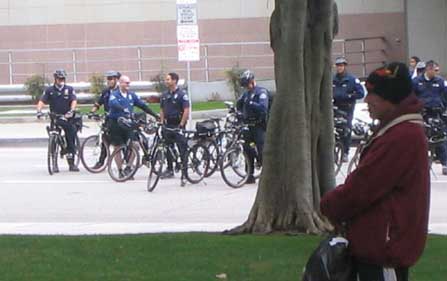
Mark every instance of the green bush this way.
pixel 232 76
pixel 159 81
pixel 97 83
pixel 35 85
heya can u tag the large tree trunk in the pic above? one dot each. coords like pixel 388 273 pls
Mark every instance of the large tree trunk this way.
pixel 298 155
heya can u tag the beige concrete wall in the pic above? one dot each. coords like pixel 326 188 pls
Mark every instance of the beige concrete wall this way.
pixel 41 12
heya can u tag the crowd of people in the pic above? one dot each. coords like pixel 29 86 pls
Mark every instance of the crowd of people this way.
pixel 427 84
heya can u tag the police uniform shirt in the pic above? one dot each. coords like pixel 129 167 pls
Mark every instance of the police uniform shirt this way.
pixel 346 89
pixel 119 101
pixel 104 99
pixel 254 104
pixel 173 105
pixel 432 92
pixel 59 99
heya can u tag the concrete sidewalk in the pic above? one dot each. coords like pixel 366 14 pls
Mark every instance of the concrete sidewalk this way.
pixel 28 130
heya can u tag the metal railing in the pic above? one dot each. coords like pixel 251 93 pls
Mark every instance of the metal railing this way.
pixel 143 61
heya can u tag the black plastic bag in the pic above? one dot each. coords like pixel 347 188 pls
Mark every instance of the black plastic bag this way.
pixel 330 261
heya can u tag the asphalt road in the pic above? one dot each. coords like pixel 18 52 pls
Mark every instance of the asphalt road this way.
pixel 32 202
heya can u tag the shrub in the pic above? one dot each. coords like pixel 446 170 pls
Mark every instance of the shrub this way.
pixel 232 76
pixel 35 85
pixel 159 82
pixel 97 84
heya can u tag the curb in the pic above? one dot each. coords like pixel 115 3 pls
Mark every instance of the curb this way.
pixel 203 114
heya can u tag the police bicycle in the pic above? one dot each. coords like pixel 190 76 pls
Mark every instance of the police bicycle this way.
pixel 234 163
pixel 95 148
pixel 196 159
pixel 364 130
pixel 435 130
pixel 126 159
pixel 341 129
pixel 57 143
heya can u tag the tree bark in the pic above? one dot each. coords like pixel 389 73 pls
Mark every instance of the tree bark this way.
pixel 298 155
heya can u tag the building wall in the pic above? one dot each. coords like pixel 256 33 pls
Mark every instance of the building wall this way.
pixel 427 30
pixel 49 24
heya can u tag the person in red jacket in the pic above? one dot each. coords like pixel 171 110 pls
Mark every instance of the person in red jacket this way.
pixel 384 203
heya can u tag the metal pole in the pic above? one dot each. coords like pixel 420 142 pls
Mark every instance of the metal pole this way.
pixel 363 58
pixel 207 71
pixel 75 77
pixel 188 70
pixel 140 64
pixel 11 80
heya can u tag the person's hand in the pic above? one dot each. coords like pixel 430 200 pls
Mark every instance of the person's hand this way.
pixel 39 114
pixel 69 114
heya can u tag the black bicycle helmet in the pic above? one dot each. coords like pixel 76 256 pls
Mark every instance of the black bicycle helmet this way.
pixel 112 73
pixel 60 73
pixel 246 77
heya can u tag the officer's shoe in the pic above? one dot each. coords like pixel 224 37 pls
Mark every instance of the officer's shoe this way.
pixel 250 180
pixel 72 166
pixel 56 170
pixel 444 170
pixel 168 174
pixel 345 158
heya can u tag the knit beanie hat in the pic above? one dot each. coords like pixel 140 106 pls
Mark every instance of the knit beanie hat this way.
pixel 390 82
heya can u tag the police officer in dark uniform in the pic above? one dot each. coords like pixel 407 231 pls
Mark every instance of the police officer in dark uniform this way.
pixel 62 100
pixel 346 90
pixel 103 100
pixel 431 90
pixel 253 104
pixel 174 113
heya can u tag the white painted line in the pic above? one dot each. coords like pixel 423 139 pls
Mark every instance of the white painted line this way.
pixel 64 181
pixel 109 228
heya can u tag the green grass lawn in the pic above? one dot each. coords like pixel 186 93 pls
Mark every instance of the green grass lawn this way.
pixel 176 257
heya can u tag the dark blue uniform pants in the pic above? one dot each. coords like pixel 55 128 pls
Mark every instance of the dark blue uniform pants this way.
pixel 255 134
pixel 370 272
pixel 349 109
pixel 70 134
pixel 176 138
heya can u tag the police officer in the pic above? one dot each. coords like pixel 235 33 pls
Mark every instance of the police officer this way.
pixel 174 113
pixel 346 90
pixel 121 104
pixel 62 100
pixel 431 90
pixel 253 104
pixel 103 100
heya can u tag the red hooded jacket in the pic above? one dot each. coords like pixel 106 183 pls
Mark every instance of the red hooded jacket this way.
pixel 385 201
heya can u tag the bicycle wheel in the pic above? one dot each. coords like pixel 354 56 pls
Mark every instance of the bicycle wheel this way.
pixel 90 153
pixel 213 151
pixel 123 163
pixel 197 163
pixel 234 165
pixel 338 157
pixel 77 159
pixel 157 163
pixel 52 155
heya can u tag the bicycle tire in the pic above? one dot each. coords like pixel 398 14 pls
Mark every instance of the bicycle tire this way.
pixel 338 157
pixel 77 159
pixel 117 173
pixel 156 169
pixel 229 167
pixel 197 163
pixel 93 142
pixel 214 152
pixel 51 154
